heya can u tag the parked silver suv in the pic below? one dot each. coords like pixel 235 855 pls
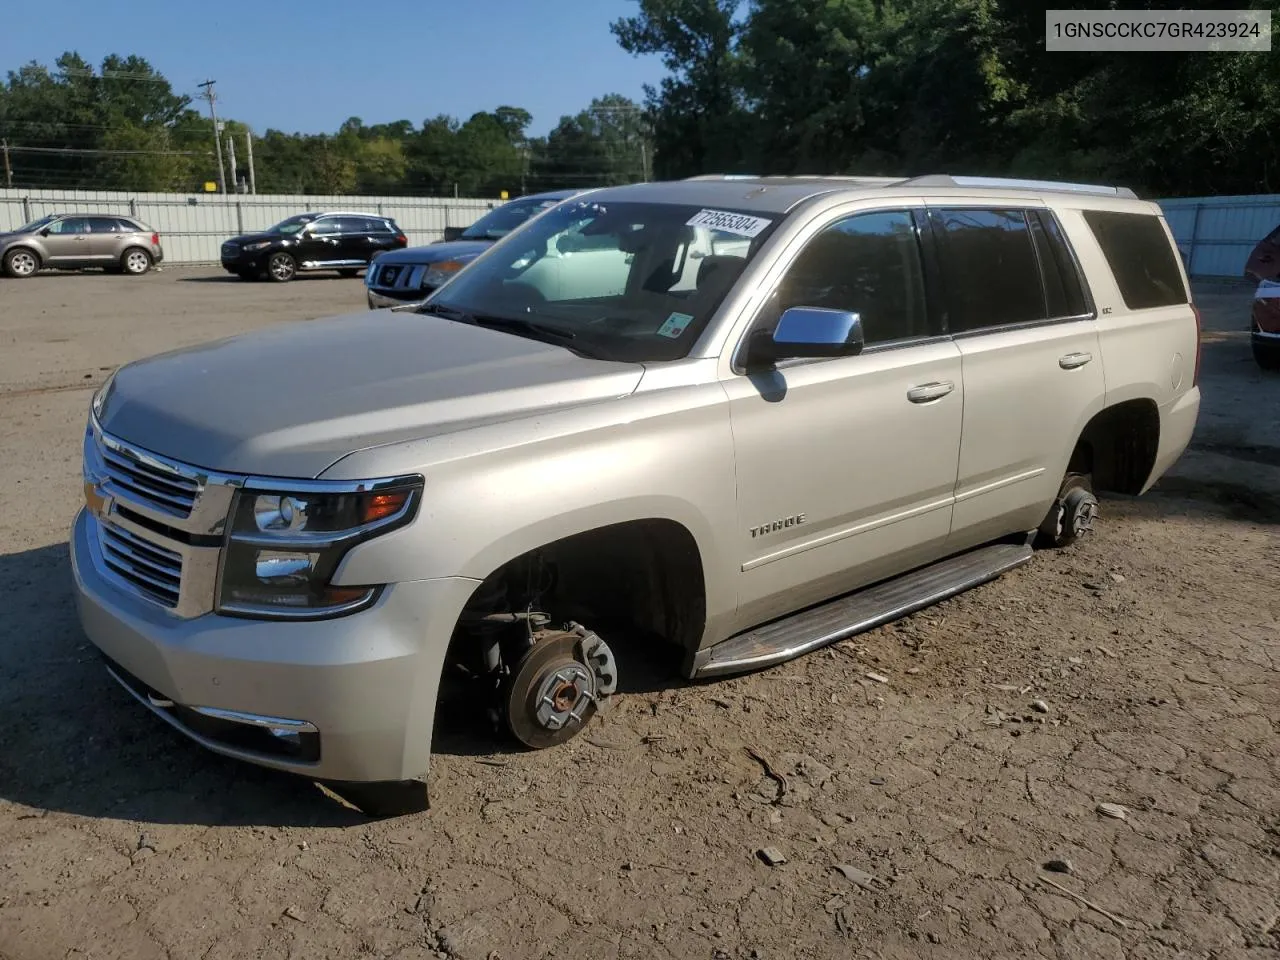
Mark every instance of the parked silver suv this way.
pixel 735 418
pixel 77 240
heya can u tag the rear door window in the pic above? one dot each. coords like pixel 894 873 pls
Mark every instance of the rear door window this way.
pixel 1063 286
pixel 1141 258
pixel 104 224
pixel 989 268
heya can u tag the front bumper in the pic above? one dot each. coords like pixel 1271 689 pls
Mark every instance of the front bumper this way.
pixel 241 264
pixel 379 301
pixel 365 684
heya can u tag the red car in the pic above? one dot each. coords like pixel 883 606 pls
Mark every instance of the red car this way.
pixel 1264 266
pixel 1266 325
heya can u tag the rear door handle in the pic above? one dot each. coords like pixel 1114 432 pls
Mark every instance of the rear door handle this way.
pixel 1073 360
pixel 928 392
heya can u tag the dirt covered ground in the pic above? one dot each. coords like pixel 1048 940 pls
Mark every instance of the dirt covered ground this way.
pixel 914 816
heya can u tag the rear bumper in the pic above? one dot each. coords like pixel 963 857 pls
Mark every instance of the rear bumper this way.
pixel 363 686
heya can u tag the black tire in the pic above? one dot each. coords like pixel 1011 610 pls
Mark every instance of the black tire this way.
pixel 21 263
pixel 1072 513
pixel 281 267
pixel 1266 356
pixel 349 273
pixel 135 262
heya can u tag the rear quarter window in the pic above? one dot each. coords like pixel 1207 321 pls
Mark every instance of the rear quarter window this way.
pixel 1141 258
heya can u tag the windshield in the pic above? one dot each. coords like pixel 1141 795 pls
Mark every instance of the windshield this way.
pixel 500 221
pixel 623 281
pixel 292 225
pixel 35 224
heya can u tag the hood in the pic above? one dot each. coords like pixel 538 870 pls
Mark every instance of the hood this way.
pixel 291 400
pixel 437 252
pixel 254 238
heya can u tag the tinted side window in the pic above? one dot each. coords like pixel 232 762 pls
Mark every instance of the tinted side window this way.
pixel 324 228
pixel 128 226
pixel 1140 256
pixel 989 268
pixel 1063 289
pixel 103 224
pixel 354 225
pixel 868 264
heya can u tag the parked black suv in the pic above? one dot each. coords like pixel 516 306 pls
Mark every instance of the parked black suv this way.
pixel 345 242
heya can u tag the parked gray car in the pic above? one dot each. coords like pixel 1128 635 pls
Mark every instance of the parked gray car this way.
pixel 75 241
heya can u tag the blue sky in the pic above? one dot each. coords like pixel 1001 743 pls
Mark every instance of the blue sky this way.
pixel 307 66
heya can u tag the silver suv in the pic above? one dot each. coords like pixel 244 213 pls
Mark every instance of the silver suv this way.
pixel 735 418
pixel 77 240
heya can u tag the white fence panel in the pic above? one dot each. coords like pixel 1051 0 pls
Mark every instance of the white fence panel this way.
pixel 193 226
pixel 1217 234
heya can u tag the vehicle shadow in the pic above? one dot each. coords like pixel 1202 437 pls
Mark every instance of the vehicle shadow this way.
pixel 72 741
pixel 300 278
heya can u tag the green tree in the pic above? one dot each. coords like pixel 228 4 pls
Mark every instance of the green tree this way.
pixel 699 120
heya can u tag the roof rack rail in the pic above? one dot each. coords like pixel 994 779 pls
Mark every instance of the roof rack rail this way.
pixel 725 176
pixel 947 180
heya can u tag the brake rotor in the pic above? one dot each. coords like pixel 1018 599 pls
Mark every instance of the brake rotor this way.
pixel 552 694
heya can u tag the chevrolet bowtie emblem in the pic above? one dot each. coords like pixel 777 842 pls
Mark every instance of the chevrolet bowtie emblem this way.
pixel 98 503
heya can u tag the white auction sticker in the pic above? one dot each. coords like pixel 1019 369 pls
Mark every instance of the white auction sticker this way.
pixel 726 222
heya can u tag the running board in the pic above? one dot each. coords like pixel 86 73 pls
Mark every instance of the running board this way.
pixel 855 613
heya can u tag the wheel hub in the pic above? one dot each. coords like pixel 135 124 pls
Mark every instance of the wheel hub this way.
pixel 556 688
pixel 563 696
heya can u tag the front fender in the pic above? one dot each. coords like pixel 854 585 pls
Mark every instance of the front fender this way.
pixel 483 508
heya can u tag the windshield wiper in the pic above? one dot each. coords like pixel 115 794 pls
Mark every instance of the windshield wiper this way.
pixel 519 326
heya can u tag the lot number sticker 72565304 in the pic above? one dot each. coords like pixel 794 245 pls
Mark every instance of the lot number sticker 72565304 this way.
pixel 726 222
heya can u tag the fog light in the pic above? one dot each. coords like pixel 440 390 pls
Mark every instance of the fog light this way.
pixel 278 565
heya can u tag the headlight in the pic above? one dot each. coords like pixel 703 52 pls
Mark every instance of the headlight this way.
pixel 283 546
pixel 259 245
pixel 440 272
pixel 99 401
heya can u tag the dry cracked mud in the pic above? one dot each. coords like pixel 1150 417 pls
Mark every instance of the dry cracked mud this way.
pixel 914 815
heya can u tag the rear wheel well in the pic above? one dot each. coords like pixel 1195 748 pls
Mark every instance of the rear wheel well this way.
pixel 641 577
pixel 1118 447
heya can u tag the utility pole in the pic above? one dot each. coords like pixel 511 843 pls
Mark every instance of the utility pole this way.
pixel 231 157
pixel 644 161
pixel 8 170
pixel 248 139
pixel 217 134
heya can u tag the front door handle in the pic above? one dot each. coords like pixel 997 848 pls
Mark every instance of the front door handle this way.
pixel 1073 360
pixel 928 392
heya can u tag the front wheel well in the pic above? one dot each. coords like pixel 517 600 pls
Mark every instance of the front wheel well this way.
pixel 642 577
pixel 1118 447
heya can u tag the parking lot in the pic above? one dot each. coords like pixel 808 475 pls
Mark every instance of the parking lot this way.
pixel 914 816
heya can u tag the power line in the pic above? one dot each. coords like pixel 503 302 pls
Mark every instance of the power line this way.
pixel 111 153
pixel 113 75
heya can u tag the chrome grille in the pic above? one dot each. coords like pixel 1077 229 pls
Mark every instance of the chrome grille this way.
pixel 150 568
pixel 148 480
pixel 230 249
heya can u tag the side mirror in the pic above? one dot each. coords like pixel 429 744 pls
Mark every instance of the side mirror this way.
pixel 807 332
pixel 44 232
pixel 453 233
